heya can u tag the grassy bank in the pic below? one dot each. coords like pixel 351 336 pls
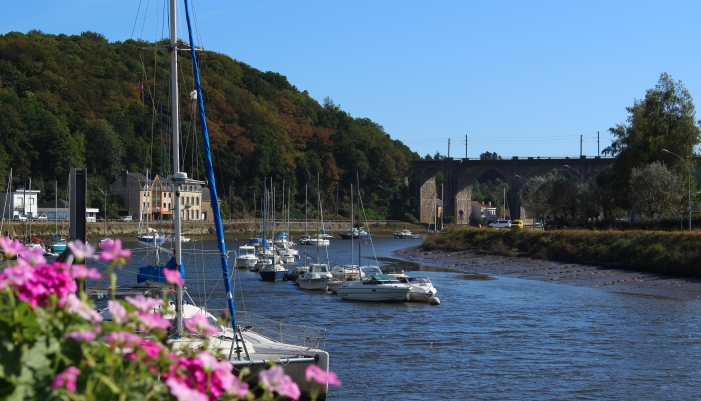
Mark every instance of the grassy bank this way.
pixel 669 253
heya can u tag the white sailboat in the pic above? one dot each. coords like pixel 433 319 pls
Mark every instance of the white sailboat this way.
pixel 248 343
pixel 375 287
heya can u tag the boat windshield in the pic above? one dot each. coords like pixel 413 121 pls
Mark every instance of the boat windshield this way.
pixel 418 280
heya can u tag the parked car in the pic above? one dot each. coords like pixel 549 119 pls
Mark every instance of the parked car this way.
pixel 517 223
pixel 42 217
pixel 125 218
pixel 19 217
pixel 538 225
pixel 501 223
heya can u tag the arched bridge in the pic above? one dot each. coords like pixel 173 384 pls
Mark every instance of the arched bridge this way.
pixel 461 174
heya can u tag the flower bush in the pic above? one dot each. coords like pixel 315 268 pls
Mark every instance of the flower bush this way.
pixel 55 345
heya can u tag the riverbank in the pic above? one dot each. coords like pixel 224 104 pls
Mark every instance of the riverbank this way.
pixel 609 279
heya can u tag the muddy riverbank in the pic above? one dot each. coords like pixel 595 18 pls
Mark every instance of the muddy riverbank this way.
pixel 617 280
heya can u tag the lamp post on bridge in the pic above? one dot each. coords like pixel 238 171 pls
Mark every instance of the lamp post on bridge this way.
pixel 524 210
pixel 688 172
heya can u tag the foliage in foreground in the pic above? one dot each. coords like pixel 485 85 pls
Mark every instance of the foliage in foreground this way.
pixel 668 253
pixel 55 346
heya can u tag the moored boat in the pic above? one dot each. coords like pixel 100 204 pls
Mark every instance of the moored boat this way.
pixel 422 290
pixel 356 233
pixel 246 257
pixel 406 234
pixel 316 278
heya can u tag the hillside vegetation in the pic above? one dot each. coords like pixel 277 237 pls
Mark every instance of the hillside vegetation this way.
pixel 669 253
pixel 81 101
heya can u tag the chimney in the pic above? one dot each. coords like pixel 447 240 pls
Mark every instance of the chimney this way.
pixel 490 203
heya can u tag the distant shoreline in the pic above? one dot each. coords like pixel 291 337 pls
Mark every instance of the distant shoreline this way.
pixel 615 280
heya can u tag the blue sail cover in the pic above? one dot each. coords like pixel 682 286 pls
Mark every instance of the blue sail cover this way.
pixel 154 273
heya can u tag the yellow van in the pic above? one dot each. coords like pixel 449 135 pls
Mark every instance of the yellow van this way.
pixel 517 223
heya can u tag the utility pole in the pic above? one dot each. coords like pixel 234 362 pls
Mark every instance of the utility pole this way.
pixel 598 153
pixel 448 147
pixel 466 146
pixel 581 139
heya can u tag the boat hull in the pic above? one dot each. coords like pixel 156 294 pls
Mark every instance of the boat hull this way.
pixel 272 275
pixel 356 236
pixel 370 294
pixel 314 284
pixel 246 263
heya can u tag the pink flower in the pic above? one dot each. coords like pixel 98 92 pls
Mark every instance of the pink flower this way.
pixel 15 276
pixel 173 276
pixel 321 376
pixel 142 303
pixel 31 257
pixel 12 248
pixel 81 271
pixel 80 308
pixel 123 338
pixel 199 323
pixel 275 379
pixel 233 386
pixel 150 321
pixel 118 311
pixel 112 251
pixel 151 349
pixel 66 379
pixel 35 284
pixel 87 335
pixel 80 250
pixel 184 393
pixel 211 363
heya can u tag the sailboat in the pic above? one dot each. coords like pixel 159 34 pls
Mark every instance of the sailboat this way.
pixel 371 284
pixel 248 343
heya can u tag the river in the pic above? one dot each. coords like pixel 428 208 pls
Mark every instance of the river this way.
pixel 492 338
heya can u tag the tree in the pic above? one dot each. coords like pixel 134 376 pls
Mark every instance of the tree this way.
pixel 534 196
pixel 665 119
pixel 490 156
pixel 656 191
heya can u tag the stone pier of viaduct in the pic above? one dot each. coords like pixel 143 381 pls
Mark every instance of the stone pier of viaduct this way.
pixel 461 174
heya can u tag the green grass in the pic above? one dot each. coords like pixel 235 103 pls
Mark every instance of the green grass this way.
pixel 669 253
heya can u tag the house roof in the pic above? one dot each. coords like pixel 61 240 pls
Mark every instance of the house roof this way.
pixel 482 205
pixel 62 204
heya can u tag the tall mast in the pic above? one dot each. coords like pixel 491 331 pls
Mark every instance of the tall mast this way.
pixel 175 124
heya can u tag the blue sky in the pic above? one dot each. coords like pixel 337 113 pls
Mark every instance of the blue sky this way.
pixel 519 78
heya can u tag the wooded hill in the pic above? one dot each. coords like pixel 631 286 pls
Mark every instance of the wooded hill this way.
pixel 81 101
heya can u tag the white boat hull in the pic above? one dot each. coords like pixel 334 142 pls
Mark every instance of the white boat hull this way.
pixel 372 293
pixel 246 263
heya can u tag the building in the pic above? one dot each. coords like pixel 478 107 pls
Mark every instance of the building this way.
pixel 487 212
pixel 58 209
pixel 152 197
pixel 20 202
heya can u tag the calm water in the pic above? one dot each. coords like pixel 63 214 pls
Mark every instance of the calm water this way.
pixel 490 339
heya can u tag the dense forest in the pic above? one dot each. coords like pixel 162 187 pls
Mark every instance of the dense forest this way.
pixel 81 101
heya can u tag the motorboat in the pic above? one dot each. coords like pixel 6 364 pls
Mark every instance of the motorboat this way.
pixel 316 278
pixel 406 234
pixel 343 272
pixel 378 288
pixel 150 237
pixel 246 257
pixel 296 273
pixel 318 239
pixel 356 233
pixel 273 271
pixel 422 290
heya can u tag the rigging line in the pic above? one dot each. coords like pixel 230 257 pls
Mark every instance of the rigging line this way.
pixel 136 18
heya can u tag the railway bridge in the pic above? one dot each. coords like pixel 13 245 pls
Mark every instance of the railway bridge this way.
pixel 460 176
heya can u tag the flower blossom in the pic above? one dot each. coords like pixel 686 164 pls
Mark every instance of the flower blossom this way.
pixel 81 251
pixel 321 376
pixel 80 308
pixel 112 251
pixel 12 248
pixel 35 284
pixel 173 276
pixel 123 338
pixel 199 323
pixel 86 335
pixel 81 271
pixel 118 311
pixel 275 379
pixel 183 392
pixel 144 304
pixel 150 321
pixel 31 257
pixel 66 379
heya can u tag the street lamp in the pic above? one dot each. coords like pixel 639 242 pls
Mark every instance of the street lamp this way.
pixel 584 194
pixel 105 216
pixel 687 170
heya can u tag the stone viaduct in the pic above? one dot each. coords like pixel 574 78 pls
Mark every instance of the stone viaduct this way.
pixel 461 174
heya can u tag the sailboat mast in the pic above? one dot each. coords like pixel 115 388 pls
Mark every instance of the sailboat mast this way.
pixel 212 184
pixel 175 156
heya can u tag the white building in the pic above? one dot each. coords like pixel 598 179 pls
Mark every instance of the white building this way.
pixel 20 202
pixel 486 212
